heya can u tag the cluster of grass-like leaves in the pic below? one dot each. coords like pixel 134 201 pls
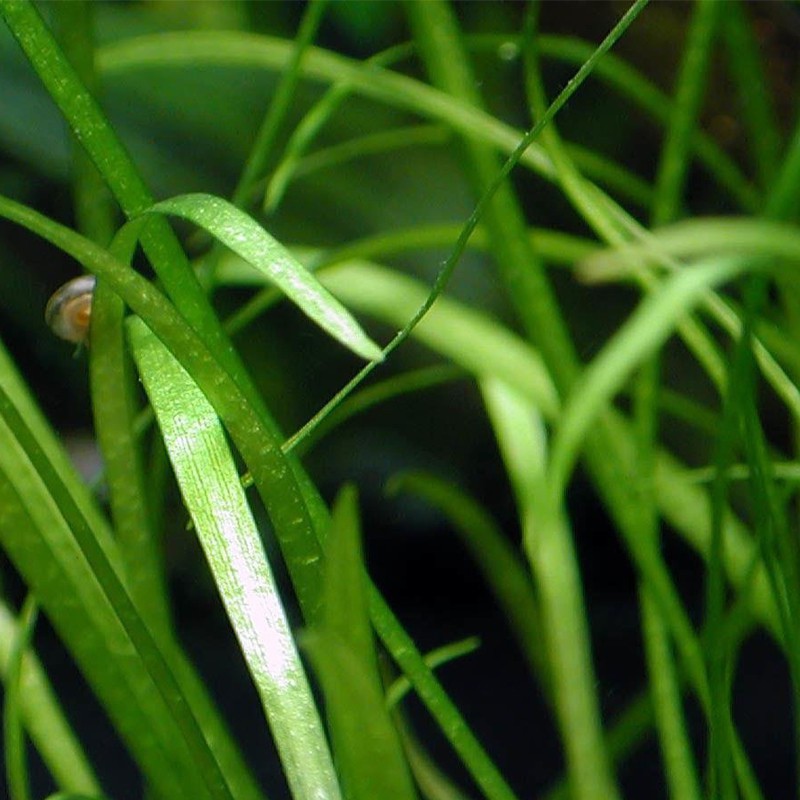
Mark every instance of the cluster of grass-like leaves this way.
pixel 100 581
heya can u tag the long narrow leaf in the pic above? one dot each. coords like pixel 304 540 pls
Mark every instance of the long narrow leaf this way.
pixel 553 561
pixel 193 48
pixel 651 324
pixel 44 719
pixel 13 733
pixel 342 650
pixel 242 234
pixel 211 490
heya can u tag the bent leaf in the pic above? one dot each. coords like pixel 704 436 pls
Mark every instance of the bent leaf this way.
pixel 245 237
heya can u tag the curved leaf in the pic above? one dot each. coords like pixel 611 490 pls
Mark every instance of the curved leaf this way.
pixel 245 237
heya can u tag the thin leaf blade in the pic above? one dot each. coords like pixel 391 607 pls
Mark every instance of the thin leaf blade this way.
pixel 245 237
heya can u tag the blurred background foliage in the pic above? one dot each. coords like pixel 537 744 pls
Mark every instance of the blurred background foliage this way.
pixel 191 130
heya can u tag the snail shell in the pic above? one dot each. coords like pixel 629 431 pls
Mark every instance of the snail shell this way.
pixel 69 310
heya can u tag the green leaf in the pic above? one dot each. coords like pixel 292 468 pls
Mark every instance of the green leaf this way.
pixel 285 490
pixel 215 499
pixel 13 734
pixel 649 326
pixel 245 237
pixel 548 543
pixel 400 687
pixel 43 717
pixel 292 502
pixel 73 796
pixel 367 746
pixel 191 49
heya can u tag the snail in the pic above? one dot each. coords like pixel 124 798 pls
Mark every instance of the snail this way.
pixel 69 310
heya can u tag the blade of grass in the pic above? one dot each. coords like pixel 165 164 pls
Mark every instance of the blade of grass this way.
pixel 43 717
pixel 665 689
pixel 13 733
pixel 342 650
pixel 687 510
pixel 674 162
pixel 95 211
pixel 271 125
pixel 692 235
pixel 398 689
pixel 192 48
pixel 432 782
pixel 563 365
pixel 778 548
pixel 558 248
pixel 397 90
pixel 642 93
pixel 245 237
pixel 103 146
pixel 266 139
pixel 527 285
pixel 547 541
pixel 101 143
pixel 380 292
pixel 555 247
pixel 112 390
pixel 580 193
pixel 720 650
pixel 256 438
pixel 462 334
pixel 215 499
pixel 109 367
pixel 401 647
pixel 665 685
pixel 520 269
pixel 293 166
pixel 63 561
pixel 519 606
pixel 409 382
pixel 758 114
pixel 648 327
pixel 783 197
pixel 638 525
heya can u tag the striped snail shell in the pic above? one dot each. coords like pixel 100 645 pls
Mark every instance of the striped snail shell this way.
pixel 69 310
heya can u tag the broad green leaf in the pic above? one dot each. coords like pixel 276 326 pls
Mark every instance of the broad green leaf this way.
pixel 215 499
